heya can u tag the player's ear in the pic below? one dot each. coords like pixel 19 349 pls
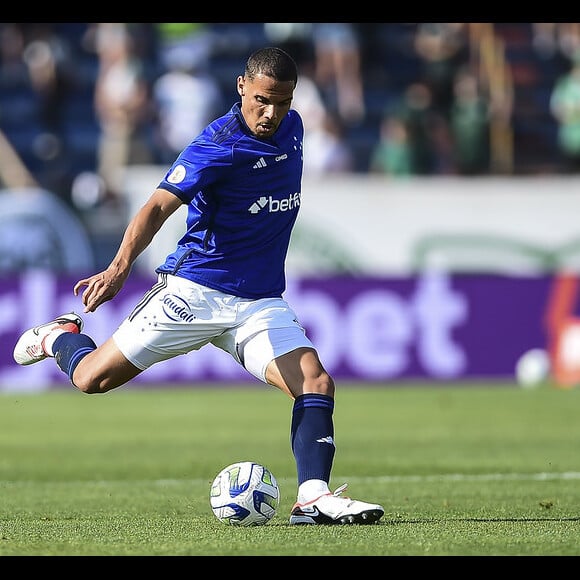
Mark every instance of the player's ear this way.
pixel 240 85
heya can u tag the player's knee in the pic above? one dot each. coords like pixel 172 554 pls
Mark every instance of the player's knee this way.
pixel 87 382
pixel 323 384
pixel 89 388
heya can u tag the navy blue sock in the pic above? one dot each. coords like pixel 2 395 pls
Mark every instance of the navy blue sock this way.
pixel 312 436
pixel 69 348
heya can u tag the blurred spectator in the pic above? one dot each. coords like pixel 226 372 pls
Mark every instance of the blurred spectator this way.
pixel 122 104
pixel 565 107
pixel 338 69
pixel 186 99
pixel 427 130
pixel 556 39
pixel 183 43
pixel 328 151
pixel 392 155
pixel 51 70
pixel 553 43
pixel 293 37
pixel 470 125
pixel 333 49
pixel 52 76
pixel 37 78
pixel 13 70
pixel 307 98
pixel 443 49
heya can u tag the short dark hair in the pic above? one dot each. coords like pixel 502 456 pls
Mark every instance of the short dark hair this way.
pixel 272 62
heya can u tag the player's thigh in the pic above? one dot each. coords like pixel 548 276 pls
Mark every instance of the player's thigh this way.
pixel 283 357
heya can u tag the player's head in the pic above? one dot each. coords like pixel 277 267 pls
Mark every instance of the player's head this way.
pixel 267 88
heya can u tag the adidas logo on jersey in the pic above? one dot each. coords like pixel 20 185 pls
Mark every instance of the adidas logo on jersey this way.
pixel 260 163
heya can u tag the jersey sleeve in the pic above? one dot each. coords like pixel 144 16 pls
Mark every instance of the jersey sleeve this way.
pixel 197 168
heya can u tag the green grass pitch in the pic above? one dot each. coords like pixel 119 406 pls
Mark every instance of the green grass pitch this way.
pixel 462 470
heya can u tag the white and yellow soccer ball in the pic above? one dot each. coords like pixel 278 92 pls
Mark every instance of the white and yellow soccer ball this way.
pixel 244 494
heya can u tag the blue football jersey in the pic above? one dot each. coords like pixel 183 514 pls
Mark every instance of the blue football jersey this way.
pixel 243 198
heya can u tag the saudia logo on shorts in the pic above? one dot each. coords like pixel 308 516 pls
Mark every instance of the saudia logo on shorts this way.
pixel 176 308
pixel 275 205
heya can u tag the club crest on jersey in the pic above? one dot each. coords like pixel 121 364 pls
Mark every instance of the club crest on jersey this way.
pixel 177 175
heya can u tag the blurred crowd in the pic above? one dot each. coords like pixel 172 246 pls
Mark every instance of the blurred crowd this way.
pixel 81 101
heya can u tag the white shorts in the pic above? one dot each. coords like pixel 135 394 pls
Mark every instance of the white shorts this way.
pixel 177 316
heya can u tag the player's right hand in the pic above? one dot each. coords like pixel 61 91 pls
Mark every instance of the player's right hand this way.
pixel 100 288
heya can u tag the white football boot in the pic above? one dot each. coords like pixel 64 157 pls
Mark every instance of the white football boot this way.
pixel 330 508
pixel 30 346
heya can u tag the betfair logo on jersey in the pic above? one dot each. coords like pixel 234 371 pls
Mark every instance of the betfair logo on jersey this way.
pixel 275 205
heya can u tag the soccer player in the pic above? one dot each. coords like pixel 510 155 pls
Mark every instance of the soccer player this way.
pixel 241 181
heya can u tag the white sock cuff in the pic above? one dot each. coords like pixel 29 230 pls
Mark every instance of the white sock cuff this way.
pixel 311 489
pixel 49 340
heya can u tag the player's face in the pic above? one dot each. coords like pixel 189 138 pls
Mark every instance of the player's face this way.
pixel 265 103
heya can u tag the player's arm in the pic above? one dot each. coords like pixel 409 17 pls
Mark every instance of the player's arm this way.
pixel 142 228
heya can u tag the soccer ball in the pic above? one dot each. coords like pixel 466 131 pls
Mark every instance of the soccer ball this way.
pixel 533 368
pixel 244 494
